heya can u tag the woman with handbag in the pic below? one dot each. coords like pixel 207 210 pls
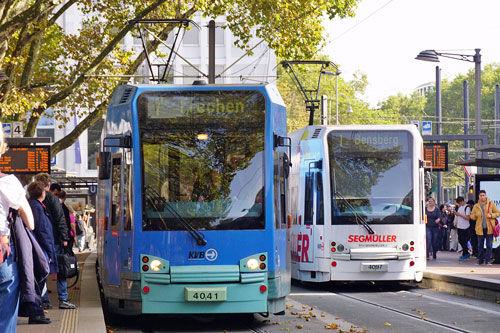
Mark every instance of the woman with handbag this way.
pixel 484 213
pixel 12 196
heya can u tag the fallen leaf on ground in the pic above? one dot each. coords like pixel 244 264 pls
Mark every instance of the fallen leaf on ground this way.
pixel 299 326
pixel 324 315
pixel 387 324
pixel 276 323
pixel 331 326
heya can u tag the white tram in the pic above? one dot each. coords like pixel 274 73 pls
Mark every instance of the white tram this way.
pixel 357 203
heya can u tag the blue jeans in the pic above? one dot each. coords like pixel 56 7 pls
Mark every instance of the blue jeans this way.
pixel 480 245
pixel 62 285
pixel 432 241
pixel 9 294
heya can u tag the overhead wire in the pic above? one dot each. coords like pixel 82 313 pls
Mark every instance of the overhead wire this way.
pixel 363 20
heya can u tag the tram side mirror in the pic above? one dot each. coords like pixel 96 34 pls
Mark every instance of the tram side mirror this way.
pixel 104 165
pixel 286 165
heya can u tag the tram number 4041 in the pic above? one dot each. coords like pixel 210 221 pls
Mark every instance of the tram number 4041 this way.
pixel 205 294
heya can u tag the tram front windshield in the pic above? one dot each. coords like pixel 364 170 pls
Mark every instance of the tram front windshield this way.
pixel 371 176
pixel 202 159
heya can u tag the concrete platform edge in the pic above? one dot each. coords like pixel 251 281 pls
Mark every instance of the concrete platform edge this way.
pixel 90 314
pixel 483 283
pixel 479 288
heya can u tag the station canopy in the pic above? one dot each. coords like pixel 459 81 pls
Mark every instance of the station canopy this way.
pixel 489 162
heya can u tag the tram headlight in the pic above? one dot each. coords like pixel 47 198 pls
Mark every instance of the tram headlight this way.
pixel 405 247
pixel 155 265
pixel 340 248
pixel 252 264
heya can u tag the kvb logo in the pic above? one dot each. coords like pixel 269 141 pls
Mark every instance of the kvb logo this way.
pixel 210 255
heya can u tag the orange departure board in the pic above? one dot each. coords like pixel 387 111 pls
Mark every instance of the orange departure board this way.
pixel 437 154
pixel 26 159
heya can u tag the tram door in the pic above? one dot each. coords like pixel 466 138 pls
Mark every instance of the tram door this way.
pixel 309 234
pixel 114 214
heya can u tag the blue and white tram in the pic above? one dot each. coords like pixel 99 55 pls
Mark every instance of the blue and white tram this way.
pixel 357 201
pixel 192 200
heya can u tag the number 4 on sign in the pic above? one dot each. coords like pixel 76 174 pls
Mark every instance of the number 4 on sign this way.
pixel 17 129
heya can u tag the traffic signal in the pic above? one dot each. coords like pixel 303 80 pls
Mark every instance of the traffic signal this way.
pixel 471 189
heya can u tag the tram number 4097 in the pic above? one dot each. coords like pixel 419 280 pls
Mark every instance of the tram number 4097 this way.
pixel 206 295
pixel 374 268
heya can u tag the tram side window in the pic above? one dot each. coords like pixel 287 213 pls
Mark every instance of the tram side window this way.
pixel 283 186
pixel 127 200
pixel 320 215
pixel 116 192
pixel 309 199
pixel 276 190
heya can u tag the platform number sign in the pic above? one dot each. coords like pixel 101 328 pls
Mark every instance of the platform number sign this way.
pixel 17 129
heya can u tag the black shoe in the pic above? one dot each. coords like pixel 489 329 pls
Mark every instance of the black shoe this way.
pixel 39 320
pixel 47 306
pixel 66 305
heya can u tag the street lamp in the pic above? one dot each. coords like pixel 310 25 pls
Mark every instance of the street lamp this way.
pixel 433 56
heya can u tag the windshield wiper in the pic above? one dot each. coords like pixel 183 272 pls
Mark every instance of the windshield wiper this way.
pixel 198 236
pixel 358 218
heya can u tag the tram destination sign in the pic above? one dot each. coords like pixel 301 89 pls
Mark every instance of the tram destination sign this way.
pixel 26 159
pixel 437 155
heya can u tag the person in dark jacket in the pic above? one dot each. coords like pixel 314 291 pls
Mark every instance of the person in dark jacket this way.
pixel 67 215
pixel 45 237
pixel 432 227
pixel 61 234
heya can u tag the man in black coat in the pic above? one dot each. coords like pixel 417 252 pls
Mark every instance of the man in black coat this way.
pixel 61 237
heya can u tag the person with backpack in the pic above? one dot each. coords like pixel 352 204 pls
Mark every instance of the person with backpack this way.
pixel 12 196
pixel 484 213
pixel 463 217
pixel 80 233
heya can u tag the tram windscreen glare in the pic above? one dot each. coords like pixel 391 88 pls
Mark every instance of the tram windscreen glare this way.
pixel 371 176
pixel 202 159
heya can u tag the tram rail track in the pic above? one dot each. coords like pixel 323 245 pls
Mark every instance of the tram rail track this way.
pixel 401 312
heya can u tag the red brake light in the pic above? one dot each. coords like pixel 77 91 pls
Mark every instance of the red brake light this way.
pixel 334 264
pixel 145 268
pixel 262 288
pixel 145 289
pixel 145 259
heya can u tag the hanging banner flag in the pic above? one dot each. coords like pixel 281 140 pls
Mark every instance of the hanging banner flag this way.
pixel 78 155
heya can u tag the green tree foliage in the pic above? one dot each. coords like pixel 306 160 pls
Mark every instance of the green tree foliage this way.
pixel 348 92
pixel 50 68
pixel 419 107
